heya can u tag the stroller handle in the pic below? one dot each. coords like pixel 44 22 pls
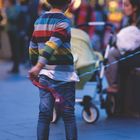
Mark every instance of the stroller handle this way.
pixel 106 24
pixel 96 23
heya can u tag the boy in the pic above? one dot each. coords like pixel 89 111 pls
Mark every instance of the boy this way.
pixel 50 53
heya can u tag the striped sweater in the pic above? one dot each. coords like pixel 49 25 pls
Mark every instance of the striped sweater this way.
pixel 50 43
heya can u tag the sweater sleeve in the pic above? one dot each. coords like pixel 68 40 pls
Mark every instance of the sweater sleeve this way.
pixel 33 51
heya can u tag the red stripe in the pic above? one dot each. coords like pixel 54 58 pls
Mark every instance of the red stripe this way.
pixel 61 31
pixel 42 33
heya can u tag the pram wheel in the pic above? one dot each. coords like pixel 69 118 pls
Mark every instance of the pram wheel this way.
pixel 91 114
pixel 110 105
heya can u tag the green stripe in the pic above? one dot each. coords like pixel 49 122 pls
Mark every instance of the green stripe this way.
pixel 61 59
pixel 48 49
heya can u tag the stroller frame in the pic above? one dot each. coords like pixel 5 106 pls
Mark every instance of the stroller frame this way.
pixel 90 112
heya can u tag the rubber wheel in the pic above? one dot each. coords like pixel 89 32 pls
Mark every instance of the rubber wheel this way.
pixel 110 105
pixel 92 116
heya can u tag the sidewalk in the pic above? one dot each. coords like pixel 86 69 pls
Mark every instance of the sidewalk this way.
pixel 19 108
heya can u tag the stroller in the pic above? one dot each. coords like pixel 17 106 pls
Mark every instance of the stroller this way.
pixel 88 62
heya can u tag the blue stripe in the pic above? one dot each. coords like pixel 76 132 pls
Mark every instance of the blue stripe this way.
pixel 50 21
pixel 33 45
pixel 56 40
pixel 41 45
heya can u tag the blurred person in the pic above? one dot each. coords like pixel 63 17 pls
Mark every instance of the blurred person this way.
pixel 84 14
pixel 12 14
pixel 1 27
pixel 1 17
pixel 53 63
pixel 24 27
pixel 100 16
pixel 128 42
pixel 33 8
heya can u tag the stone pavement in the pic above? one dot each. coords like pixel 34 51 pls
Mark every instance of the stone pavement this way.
pixel 19 108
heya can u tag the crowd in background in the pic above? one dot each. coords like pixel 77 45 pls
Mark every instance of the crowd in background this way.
pixel 17 18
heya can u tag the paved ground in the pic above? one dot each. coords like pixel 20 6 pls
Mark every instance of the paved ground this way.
pixel 19 108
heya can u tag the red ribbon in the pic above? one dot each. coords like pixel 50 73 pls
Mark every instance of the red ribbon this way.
pixel 58 98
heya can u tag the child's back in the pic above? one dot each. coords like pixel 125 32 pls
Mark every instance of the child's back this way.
pixel 52 33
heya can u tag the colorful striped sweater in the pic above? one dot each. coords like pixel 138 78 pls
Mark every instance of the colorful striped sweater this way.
pixel 50 43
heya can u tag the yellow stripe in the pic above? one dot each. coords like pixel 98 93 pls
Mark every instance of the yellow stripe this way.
pixel 51 45
pixel 41 51
pixel 33 51
pixel 62 51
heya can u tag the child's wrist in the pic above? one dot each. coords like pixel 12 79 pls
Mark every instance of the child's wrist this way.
pixel 40 65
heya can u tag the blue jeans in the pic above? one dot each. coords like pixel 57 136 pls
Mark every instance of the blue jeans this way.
pixel 67 91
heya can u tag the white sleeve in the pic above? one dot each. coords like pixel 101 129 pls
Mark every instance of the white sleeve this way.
pixel 128 39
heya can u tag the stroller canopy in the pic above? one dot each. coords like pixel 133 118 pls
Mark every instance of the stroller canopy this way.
pixel 82 48
pixel 85 58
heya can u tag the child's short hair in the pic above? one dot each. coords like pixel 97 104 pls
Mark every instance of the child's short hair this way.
pixel 58 3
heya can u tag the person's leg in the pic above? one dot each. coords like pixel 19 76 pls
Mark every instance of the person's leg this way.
pixel 45 110
pixel 67 91
pixel 112 69
pixel 125 68
pixel 23 41
pixel 127 65
pixel 13 38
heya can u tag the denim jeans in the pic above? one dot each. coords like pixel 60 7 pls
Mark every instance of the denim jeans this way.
pixel 67 91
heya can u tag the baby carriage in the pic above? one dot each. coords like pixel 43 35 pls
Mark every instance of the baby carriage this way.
pixel 85 60
pixel 88 62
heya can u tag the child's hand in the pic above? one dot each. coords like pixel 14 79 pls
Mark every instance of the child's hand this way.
pixel 34 72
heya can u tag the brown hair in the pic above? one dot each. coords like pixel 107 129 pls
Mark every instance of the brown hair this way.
pixel 58 3
pixel 136 4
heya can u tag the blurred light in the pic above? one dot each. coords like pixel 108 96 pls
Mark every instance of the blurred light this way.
pixel 76 3
pixel 43 1
pixel 1 4
pixel 101 2
pixel 113 4
pixel 115 17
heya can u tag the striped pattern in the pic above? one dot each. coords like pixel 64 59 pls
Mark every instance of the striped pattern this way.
pixel 50 41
